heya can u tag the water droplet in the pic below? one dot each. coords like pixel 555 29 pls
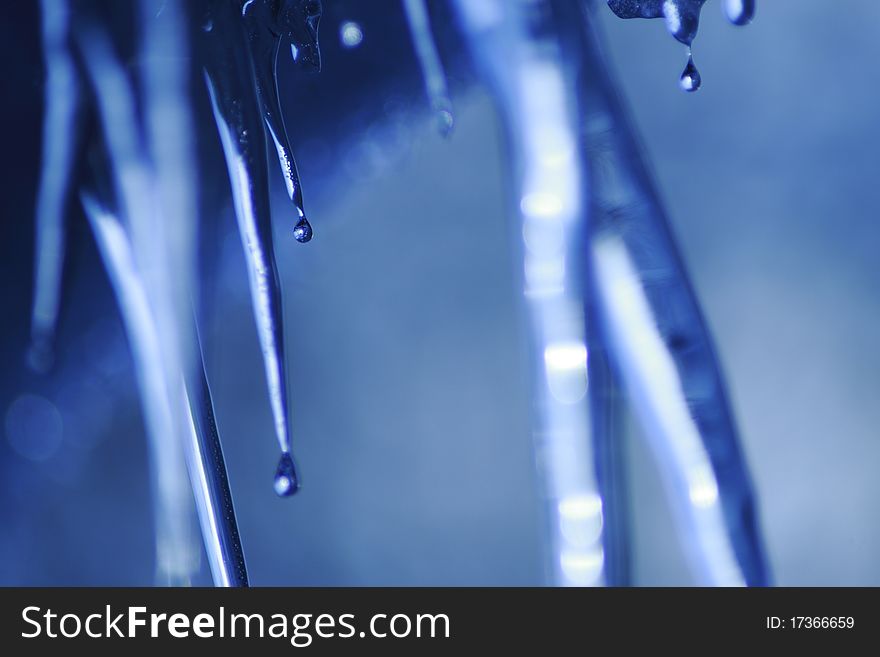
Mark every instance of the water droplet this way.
pixel 682 18
pixel 739 12
pixel 302 232
pixel 445 120
pixel 286 480
pixel 690 78
pixel 351 34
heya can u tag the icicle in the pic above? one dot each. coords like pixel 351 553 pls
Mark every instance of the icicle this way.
pixel 60 136
pixel 267 31
pixel 660 345
pixel 521 58
pixel 429 60
pixel 682 18
pixel 207 469
pixel 237 114
pixel 171 138
pixel 159 221
pixel 203 452
pixel 176 556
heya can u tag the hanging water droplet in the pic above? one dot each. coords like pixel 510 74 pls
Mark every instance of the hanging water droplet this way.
pixel 682 18
pixel 445 120
pixel 690 78
pixel 302 232
pixel 739 12
pixel 286 480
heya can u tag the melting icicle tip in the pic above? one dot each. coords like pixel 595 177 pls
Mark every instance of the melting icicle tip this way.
pixel 682 18
pixel 286 480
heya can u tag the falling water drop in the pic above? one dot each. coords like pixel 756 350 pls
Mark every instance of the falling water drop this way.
pixel 690 79
pixel 739 12
pixel 286 480
pixel 302 232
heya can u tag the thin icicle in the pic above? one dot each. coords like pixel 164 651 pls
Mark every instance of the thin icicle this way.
pixel 254 224
pixel 265 30
pixel 429 60
pixel 242 136
pixel 213 497
pixel 62 94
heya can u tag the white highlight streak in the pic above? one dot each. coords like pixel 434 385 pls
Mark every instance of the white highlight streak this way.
pixel 652 380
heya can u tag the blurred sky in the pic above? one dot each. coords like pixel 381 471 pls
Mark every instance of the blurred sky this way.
pixel 408 356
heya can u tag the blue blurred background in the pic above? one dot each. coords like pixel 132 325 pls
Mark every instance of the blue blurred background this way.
pixel 408 357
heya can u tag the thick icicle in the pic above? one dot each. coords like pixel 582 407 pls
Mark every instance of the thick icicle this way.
pixel 168 75
pixel 607 415
pixel 161 258
pixel 520 53
pixel 203 452
pixel 170 132
pixel 176 556
pixel 659 342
